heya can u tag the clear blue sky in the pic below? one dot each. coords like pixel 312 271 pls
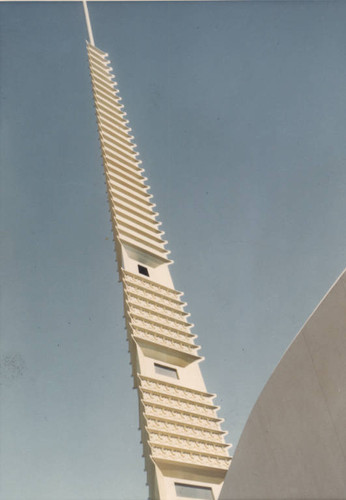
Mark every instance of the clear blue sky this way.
pixel 239 113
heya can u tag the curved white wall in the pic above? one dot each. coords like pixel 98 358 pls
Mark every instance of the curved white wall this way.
pixel 294 443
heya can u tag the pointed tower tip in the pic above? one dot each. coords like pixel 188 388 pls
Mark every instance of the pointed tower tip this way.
pixel 88 23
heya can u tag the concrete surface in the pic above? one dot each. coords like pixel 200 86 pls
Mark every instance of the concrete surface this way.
pixel 294 443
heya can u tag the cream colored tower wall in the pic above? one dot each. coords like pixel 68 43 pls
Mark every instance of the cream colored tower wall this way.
pixel 183 444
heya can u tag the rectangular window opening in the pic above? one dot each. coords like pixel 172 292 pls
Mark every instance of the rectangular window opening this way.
pixel 166 370
pixel 192 491
pixel 143 270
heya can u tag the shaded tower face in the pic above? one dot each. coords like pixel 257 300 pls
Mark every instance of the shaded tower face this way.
pixel 184 449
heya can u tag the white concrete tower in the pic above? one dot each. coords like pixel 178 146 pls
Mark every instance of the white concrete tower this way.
pixel 184 449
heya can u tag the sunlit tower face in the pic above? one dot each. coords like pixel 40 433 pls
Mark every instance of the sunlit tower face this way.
pixel 184 449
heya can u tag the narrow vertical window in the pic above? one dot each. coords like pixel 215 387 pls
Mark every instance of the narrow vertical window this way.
pixel 143 270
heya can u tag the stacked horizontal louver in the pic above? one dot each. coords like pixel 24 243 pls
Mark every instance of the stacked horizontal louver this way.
pixel 182 440
pixel 132 210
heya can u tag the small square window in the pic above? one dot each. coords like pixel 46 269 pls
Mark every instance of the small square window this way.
pixel 192 491
pixel 165 370
pixel 143 270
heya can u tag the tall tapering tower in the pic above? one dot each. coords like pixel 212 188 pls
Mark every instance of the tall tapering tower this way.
pixel 184 449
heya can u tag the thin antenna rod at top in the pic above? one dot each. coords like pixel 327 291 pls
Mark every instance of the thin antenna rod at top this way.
pixel 88 23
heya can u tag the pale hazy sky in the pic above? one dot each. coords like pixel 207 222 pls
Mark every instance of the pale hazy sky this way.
pixel 239 113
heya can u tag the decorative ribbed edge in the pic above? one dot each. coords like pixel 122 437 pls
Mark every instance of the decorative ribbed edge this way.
pixel 189 444
pixel 177 391
pixel 158 318
pixel 154 298
pixel 174 415
pixel 165 341
pixel 191 458
pixel 161 329
pixel 156 307
pixel 113 131
pixel 148 284
pixel 177 404
pixel 156 424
